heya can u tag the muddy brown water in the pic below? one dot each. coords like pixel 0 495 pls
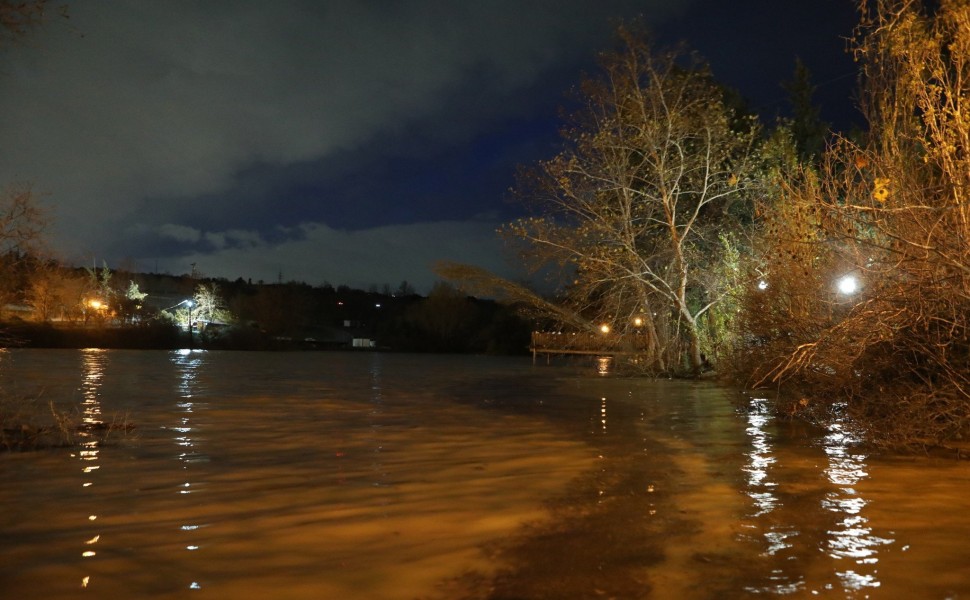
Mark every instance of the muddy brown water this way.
pixel 373 476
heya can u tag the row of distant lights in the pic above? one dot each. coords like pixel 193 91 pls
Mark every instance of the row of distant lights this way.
pixel 847 285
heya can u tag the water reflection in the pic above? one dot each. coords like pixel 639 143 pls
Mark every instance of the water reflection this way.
pixel 375 419
pixel 603 365
pixel 779 536
pixel 760 458
pixel 188 363
pixel 852 538
pixel 761 488
pixel 603 414
pixel 93 363
pixel 779 513
pixel 742 501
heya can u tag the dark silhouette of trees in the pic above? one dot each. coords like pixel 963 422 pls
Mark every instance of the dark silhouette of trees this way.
pixel 808 129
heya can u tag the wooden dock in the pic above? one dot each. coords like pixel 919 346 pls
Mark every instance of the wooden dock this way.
pixel 586 343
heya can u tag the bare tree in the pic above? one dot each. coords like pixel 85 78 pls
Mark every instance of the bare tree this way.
pixel 21 221
pixel 655 165
pixel 21 224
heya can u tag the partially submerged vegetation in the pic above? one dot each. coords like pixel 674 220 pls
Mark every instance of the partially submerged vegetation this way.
pixel 26 423
pixel 888 215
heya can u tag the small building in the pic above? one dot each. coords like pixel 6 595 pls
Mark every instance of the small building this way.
pixel 363 343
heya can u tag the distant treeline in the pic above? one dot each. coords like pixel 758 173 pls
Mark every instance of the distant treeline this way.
pixel 263 316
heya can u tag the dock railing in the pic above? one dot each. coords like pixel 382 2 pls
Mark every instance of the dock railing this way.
pixel 590 343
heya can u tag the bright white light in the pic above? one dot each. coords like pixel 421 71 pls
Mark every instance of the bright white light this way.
pixel 762 285
pixel 605 328
pixel 848 285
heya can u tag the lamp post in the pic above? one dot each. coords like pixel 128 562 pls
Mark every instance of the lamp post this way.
pixel 190 304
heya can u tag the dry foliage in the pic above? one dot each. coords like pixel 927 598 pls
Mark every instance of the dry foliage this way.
pixel 894 212
pixel 26 424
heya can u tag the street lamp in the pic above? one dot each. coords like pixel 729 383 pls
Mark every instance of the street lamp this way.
pixel 848 285
pixel 190 304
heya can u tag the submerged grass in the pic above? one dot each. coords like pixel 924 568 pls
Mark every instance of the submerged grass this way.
pixel 28 424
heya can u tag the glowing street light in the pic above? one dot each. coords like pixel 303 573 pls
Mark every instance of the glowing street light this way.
pixel 637 322
pixel 190 303
pixel 848 285
pixel 605 328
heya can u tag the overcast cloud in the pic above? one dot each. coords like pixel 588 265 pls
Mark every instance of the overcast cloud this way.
pixel 143 123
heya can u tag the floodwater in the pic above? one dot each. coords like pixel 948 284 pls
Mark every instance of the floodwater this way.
pixel 374 476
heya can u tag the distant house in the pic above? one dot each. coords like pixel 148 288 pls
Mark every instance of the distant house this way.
pixel 16 311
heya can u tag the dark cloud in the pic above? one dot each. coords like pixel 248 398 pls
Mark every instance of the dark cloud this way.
pixel 316 253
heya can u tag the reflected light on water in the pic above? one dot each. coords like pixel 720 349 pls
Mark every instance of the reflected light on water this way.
pixel 852 537
pixel 603 414
pixel 761 488
pixel 375 418
pixel 603 364
pixel 760 458
pixel 188 363
pixel 358 476
pixel 848 538
pixel 92 375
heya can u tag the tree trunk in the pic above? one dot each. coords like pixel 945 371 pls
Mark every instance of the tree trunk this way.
pixel 696 361
pixel 654 354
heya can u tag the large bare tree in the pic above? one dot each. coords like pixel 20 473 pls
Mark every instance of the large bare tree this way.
pixel 655 163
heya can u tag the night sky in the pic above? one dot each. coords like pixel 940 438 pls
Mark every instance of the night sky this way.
pixel 347 141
